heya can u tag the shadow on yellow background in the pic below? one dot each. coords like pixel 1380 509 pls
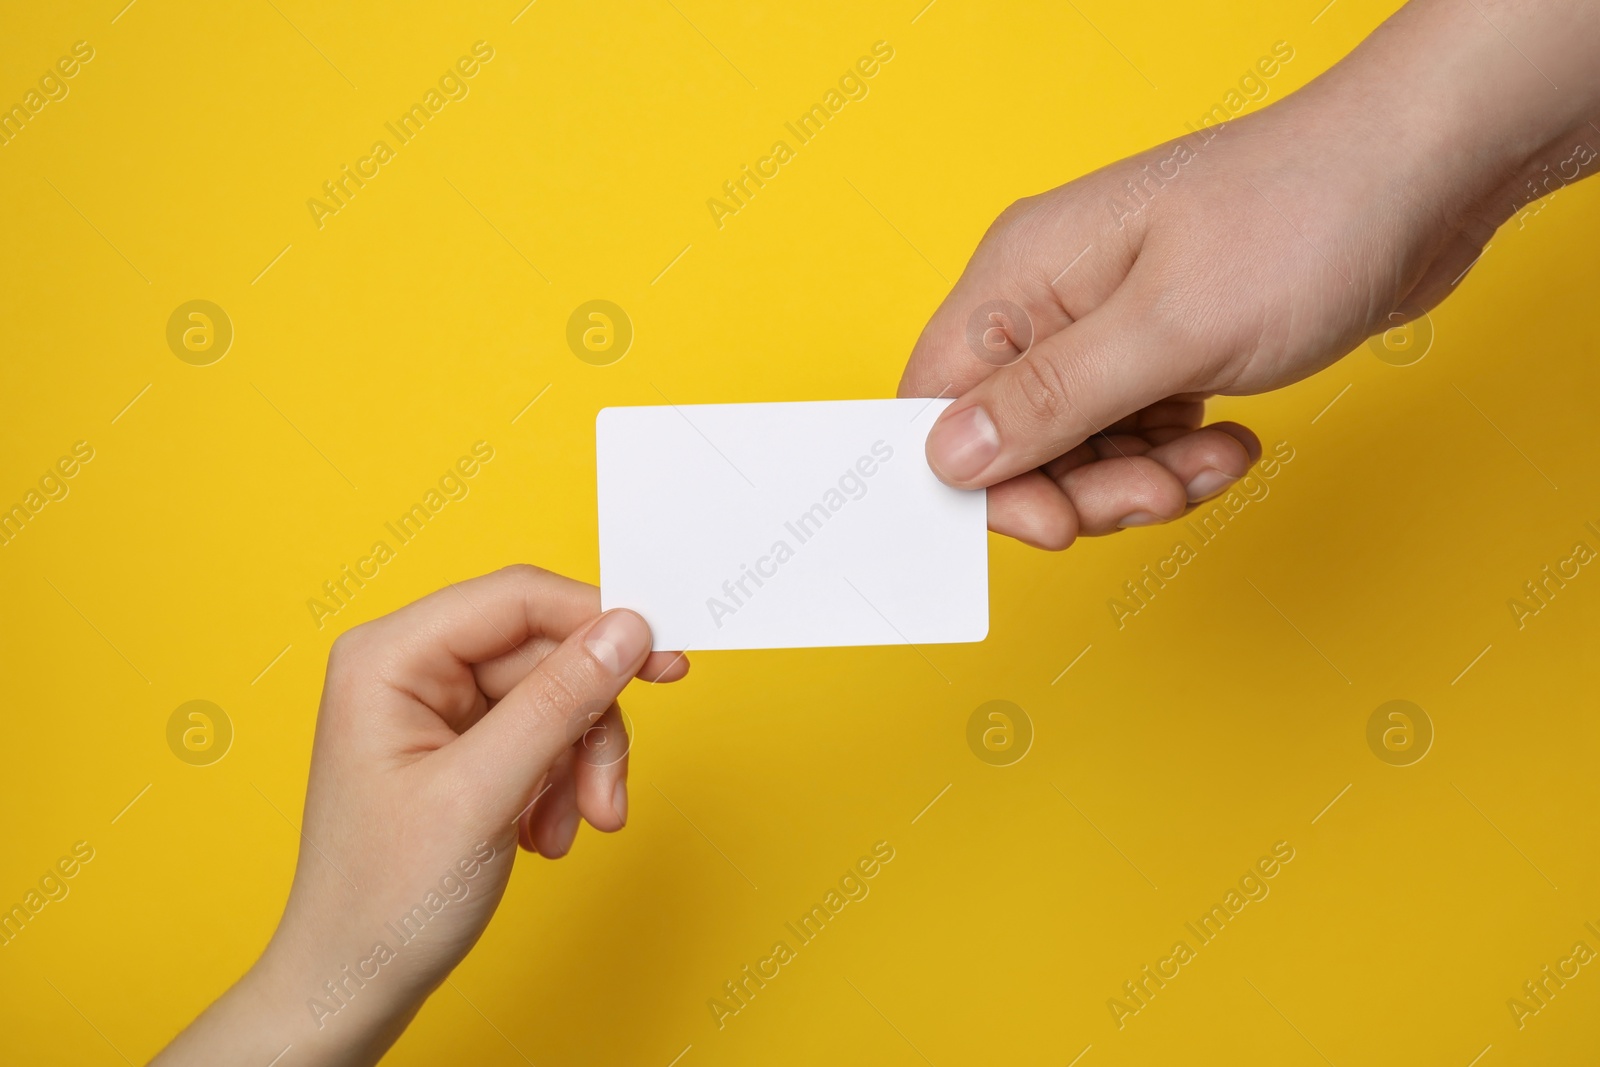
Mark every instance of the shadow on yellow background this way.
pixel 1214 727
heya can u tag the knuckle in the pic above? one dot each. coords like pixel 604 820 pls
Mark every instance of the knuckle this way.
pixel 1014 211
pixel 1039 392
pixel 1056 533
pixel 522 572
pixel 554 697
pixel 350 647
pixel 1158 490
pixel 1013 236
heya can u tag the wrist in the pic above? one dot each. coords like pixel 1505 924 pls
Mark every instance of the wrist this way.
pixel 273 1009
pixel 327 1011
pixel 1475 93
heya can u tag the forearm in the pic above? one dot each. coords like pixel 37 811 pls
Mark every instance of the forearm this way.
pixel 1486 92
pixel 270 1010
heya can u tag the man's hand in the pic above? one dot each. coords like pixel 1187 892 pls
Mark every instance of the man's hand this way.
pixel 1093 320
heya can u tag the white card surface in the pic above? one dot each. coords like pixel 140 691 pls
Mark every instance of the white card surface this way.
pixel 791 525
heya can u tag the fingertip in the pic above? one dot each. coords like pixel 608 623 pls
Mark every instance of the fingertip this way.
pixel 619 802
pixel 1048 537
pixel 1116 494
pixel 1032 509
pixel 1207 484
pixel 553 823
pixel 614 817
pixel 662 667
pixel 618 640
pixel 602 802
pixel 1244 435
pixel 563 835
pixel 962 445
pixel 525 832
pixel 1209 460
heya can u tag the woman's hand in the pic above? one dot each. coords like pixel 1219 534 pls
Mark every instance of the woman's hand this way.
pixel 1093 320
pixel 482 715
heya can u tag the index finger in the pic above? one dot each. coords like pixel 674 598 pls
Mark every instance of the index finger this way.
pixel 490 620
pixel 1045 262
pixel 987 322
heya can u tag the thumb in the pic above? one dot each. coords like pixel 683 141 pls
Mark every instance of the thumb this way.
pixel 512 747
pixel 1067 388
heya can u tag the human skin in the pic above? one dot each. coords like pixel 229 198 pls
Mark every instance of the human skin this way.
pixel 479 717
pixel 1286 238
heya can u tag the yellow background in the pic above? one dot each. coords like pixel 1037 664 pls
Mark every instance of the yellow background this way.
pixel 1223 718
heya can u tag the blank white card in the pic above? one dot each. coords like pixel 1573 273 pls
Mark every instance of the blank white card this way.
pixel 793 525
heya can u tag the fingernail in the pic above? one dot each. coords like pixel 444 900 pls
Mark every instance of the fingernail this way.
pixel 962 446
pixel 617 640
pixel 1207 483
pixel 619 800
pixel 1139 518
pixel 566 833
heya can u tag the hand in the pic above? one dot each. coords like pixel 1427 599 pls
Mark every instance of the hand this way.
pixel 479 716
pixel 1094 320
